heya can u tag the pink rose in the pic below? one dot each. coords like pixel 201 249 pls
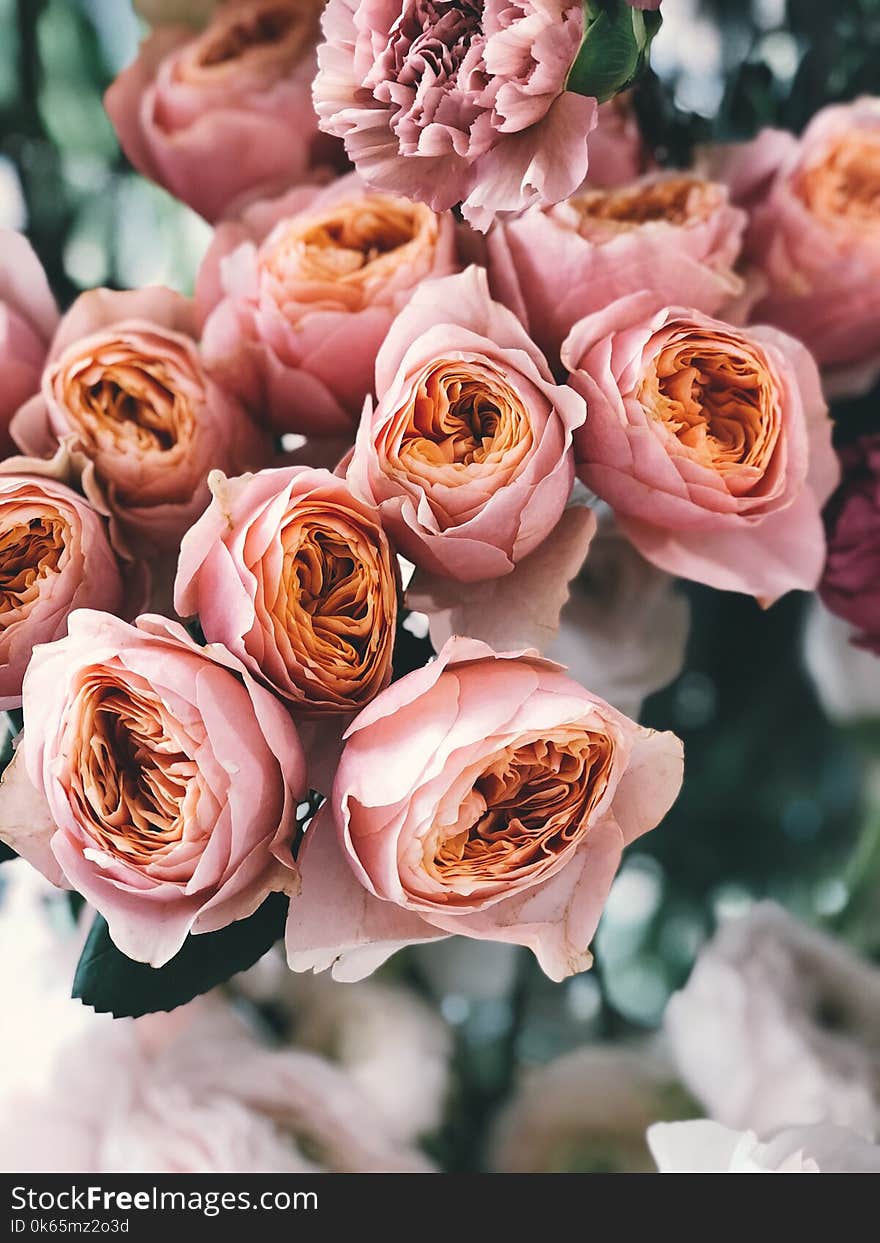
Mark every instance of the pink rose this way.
pixel 617 149
pixel 671 232
pixel 125 386
pixel 225 115
pixel 486 795
pixel 711 444
pixel 55 556
pixel 468 453
pixel 28 318
pixel 851 582
pixel 294 575
pixel 457 102
pixel 160 781
pixel 302 282
pixel 814 235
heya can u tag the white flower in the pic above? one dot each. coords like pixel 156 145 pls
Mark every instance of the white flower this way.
pixel 585 1112
pixel 846 677
pixel 779 1025
pixel 702 1147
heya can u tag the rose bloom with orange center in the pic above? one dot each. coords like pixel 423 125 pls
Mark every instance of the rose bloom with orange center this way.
pixel 711 444
pixel 125 387
pixel 295 576
pixel 675 233
pixel 301 282
pixel 813 240
pixel 467 453
pixel 55 556
pixel 155 777
pixel 487 795
pixel 224 115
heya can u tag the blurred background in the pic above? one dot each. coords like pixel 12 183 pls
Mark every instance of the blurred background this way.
pixel 779 799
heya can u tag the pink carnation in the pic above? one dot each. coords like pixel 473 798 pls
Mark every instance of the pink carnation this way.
pixel 451 103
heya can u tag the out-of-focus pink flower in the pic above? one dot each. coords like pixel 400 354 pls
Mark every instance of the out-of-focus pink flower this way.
pixel 672 233
pixel 225 115
pixel 194 1093
pixel 778 1026
pixel 814 235
pixel 617 148
pixel 712 445
pixel 28 318
pixel 294 575
pixel 457 103
pixel 703 1147
pixel 486 795
pixel 300 292
pixel 159 780
pixel 851 582
pixel 55 556
pixel 125 387
pixel 468 452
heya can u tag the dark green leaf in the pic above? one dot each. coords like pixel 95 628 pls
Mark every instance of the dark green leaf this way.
pixel 112 983
pixel 614 49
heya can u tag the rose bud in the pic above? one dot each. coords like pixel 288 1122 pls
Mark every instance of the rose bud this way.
pixel 814 235
pixel 294 575
pixel 486 795
pixel 671 232
pixel 304 281
pixel 851 582
pixel 125 386
pixel 159 780
pixel 28 318
pixel 457 103
pixel 226 114
pixel 468 452
pixel 712 445
pixel 55 556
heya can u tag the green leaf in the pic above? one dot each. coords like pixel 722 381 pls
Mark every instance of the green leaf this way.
pixel 112 983
pixel 614 50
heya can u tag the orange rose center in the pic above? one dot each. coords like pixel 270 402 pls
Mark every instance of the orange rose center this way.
pixel 336 609
pixel 716 395
pixel 529 806
pixel 132 779
pixel 30 551
pixel 843 187
pixel 345 254
pixel 275 33
pixel 676 200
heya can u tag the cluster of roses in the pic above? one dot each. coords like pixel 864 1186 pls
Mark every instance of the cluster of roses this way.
pixel 444 390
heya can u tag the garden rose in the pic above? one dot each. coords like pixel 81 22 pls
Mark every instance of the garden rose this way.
pixel 55 556
pixel 224 115
pixel 161 781
pixel 468 452
pixel 28 318
pixel 294 575
pixel 814 235
pixel 673 233
pixel 703 1147
pixel 125 386
pixel 486 795
pixel 778 1026
pixel 298 284
pixel 457 103
pixel 712 445
pixel 851 582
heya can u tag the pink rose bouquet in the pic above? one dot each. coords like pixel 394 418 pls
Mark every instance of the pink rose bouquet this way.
pixel 486 795
pixel 711 444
